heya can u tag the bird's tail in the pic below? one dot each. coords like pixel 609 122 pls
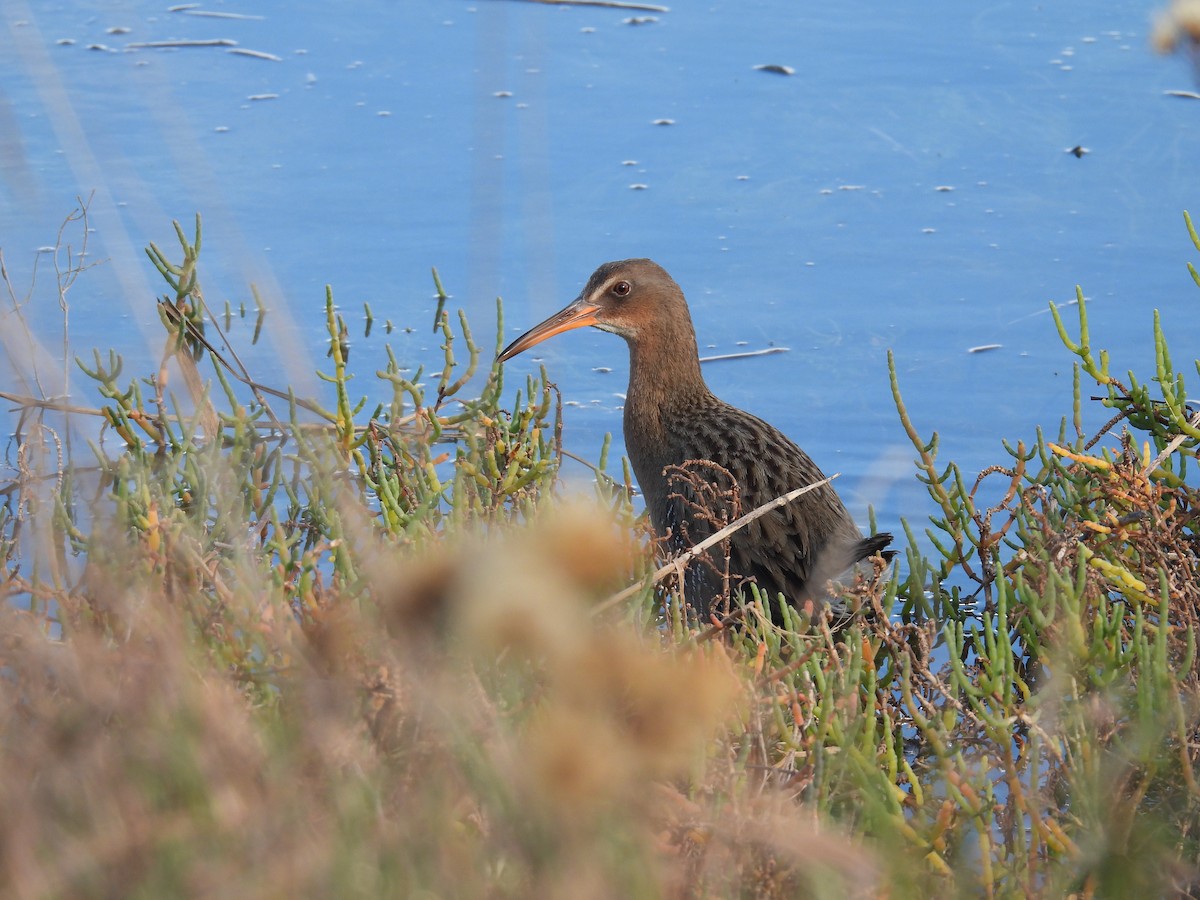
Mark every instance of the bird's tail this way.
pixel 874 545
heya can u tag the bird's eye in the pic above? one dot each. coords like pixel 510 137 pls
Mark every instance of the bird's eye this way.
pixel 622 289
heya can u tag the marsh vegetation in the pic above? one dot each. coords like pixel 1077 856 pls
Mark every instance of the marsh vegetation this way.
pixel 274 645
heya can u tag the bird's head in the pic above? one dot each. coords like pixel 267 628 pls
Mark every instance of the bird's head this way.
pixel 631 297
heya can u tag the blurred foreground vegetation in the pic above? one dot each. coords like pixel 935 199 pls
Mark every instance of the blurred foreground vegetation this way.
pixel 254 644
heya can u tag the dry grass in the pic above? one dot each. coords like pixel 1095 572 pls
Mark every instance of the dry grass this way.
pixel 474 730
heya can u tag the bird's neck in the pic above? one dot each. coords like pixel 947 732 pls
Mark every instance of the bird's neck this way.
pixel 665 386
pixel 664 371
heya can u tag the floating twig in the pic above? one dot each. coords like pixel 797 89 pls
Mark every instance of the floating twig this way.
pixel 158 45
pixel 608 4
pixel 256 54
pixel 766 351
pixel 212 14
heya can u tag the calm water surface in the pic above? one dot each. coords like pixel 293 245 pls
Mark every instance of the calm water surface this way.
pixel 907 188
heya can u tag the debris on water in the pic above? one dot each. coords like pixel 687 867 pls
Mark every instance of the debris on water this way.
pixel 1042 312
pixel 159 45
pixel 640 20
pixel 745 354
pixel 603 370
pixel 852 187
pixel 775 68
pixel 257 54
pixel 1189 95
pixel 984 347
pixel 263 97
pixel 212 14
pixel 221 129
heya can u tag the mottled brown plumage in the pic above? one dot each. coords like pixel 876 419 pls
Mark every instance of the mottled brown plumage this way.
pixel 671 418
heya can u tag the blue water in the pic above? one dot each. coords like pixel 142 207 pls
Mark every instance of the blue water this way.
pixel 908 187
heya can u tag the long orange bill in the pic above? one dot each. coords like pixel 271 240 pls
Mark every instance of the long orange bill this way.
pixel 576 315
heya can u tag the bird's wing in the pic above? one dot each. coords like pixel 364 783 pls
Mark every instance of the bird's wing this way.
pixel 789 545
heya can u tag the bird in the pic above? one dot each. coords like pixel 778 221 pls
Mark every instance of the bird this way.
pixel 691 451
